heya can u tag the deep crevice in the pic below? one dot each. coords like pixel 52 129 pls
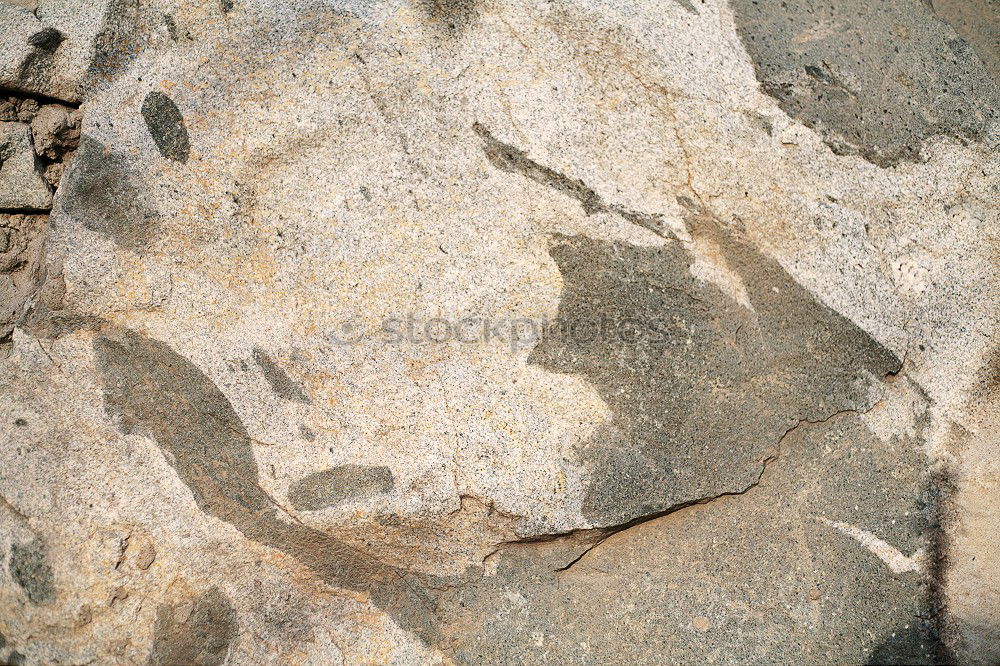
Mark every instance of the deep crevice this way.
pixel 41 99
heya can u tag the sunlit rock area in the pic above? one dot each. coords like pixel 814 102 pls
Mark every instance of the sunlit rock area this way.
pixel 499 332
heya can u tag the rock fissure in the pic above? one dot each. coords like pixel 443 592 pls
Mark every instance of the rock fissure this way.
pixel 598 535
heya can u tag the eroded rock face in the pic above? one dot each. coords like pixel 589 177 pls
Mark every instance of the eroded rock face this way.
pixel 22 182
pixel 459 332
pixel 915 78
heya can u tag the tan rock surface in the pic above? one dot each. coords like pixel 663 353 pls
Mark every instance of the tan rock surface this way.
pixel 591 332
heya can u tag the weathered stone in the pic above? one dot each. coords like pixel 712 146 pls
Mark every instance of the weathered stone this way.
pixel 55 130
pixel 874 79
pixel 526 332
pixel 201 636
pixel 30 569
pixel 48 49
pixel 22 183
pixel 22 239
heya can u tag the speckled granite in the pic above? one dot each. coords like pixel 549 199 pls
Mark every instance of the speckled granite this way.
pixel 531 332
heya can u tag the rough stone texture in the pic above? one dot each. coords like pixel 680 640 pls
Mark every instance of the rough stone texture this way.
pixel 55 130
pixel 49 48
pixel 916 78
pixel 22 180
pixel 526 332
pixel 22 239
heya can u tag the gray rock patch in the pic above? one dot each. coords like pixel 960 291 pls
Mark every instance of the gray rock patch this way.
pixel 702 389
pixel 30 568
pixel 202 637
pixel 875 79
pixel 166 126
pixel 978 24
pixel 331 487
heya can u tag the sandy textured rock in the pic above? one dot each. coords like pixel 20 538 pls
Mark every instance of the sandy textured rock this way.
pixel 591 332
pixel 22 183
pixel 55 130
pixel 52 48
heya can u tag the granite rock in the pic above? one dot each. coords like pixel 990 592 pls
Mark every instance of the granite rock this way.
pixel 467 332
pixel 22 183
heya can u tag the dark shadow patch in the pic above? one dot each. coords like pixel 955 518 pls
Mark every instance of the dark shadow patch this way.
pixel 686 4
pixel 99 191
pixel 978 24
pixel 166 126
pixel 117 45
pixel 46 39
pixel 151 389
pixel 202 637
pixel 283 386
pixel 913 643
pixel 453 17
pixel 726 560
pixel 37 65
pixel 340 484
pixel 937 503
pixel 226 5
pixel 30 569
pixel 907 82
pixel 701 388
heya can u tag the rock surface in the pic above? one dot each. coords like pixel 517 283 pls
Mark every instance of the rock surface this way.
pixel 22 180
pixel 466 332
